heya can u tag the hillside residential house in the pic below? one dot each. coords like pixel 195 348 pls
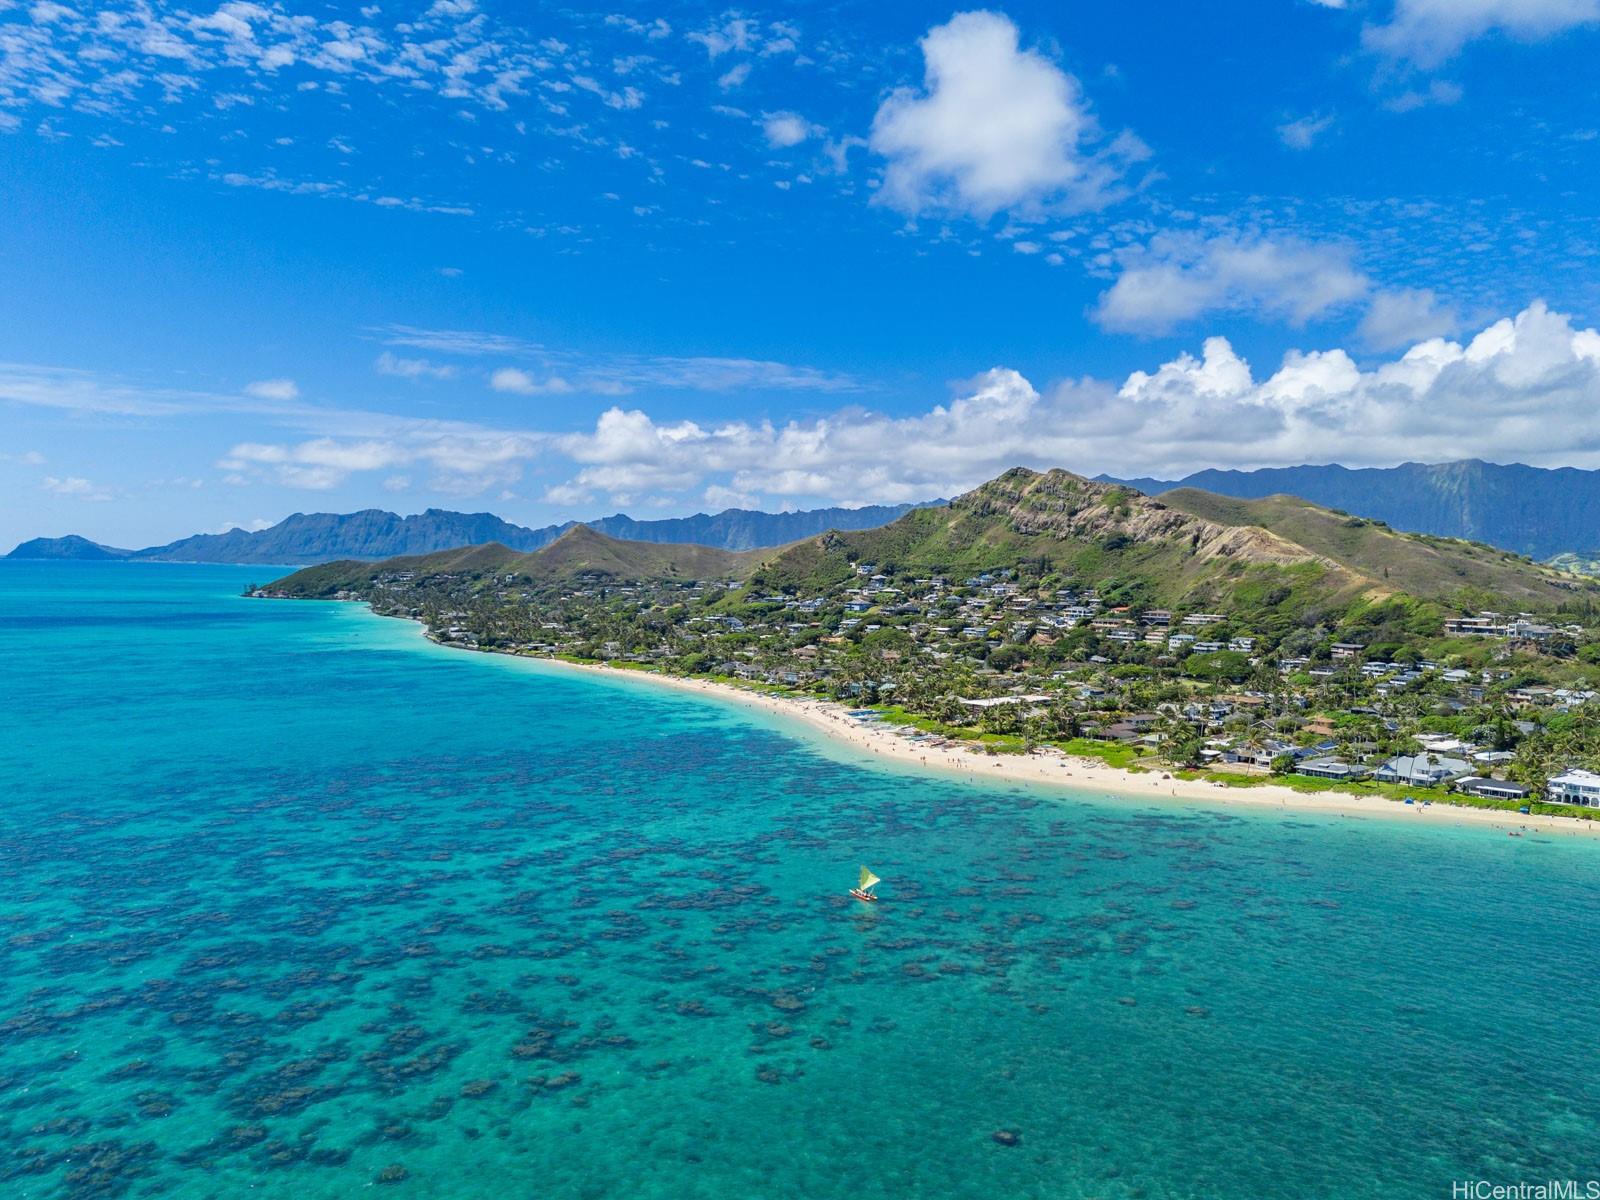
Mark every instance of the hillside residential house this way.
pixel 1488 625
pixel 1423 770
pixel 1574 787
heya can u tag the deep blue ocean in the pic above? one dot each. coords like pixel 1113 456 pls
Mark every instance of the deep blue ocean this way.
pixel 293 902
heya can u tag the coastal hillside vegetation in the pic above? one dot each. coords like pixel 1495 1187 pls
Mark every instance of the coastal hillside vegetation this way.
pixel 1423 565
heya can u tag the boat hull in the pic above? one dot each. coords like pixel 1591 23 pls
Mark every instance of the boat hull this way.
pixel 866 897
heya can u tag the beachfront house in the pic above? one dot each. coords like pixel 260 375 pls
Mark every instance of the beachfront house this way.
pixel 1258 754
pixel 1330 768
pixel 1422 770
pixel 1494 789
pixel 1576 786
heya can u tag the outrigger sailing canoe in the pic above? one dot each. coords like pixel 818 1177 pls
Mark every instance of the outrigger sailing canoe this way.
pixel 863 889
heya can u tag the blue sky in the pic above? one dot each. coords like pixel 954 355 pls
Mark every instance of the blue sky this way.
pixel 264 258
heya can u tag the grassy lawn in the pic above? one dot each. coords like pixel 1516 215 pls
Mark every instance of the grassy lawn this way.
pixel 1113 754
pixel 751 685
pixel 895 715
pixel 1392 791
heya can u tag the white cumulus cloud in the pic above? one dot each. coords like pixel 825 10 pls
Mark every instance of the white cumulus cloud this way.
pixel 994 127
pixel 1428 32
pixel 1525 388
pixel 1176 278
pixel 1403 316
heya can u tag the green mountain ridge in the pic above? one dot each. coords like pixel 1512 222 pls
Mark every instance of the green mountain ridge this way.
pixel 1055 522
pixel 1187 546
pixel 579 554
pixel 1421 565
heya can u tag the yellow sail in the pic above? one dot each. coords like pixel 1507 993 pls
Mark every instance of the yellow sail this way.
pixel 867 879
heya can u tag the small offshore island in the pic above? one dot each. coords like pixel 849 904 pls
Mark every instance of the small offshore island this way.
pixel 1066 631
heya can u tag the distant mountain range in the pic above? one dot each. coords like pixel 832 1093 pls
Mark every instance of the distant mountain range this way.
pixel 1530 510
pixel 374 534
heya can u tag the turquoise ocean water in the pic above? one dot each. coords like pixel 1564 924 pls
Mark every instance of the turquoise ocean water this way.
pixel 293 902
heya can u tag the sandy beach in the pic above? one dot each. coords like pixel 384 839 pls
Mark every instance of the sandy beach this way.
pixel 1048 768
